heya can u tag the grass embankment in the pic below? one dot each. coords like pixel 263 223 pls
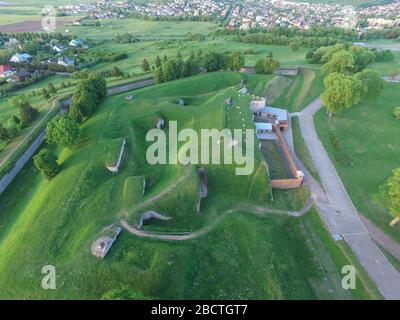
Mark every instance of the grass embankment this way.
pixel 304 89
pixel 301 150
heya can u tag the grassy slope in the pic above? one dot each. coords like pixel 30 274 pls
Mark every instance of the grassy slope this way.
pixel 301 150
pixel 266 257
pixel 368 152
pixel 305 88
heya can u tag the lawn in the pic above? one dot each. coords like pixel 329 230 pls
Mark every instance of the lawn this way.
pixel 363 144
pixel 301 150
pixel 143 28
pixel 246 254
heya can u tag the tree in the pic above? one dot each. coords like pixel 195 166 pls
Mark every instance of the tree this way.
pixel 116 72
pixel 124 293
pixel 373 82
pixel 27 113
pixel 63 131
pixel 145 65
pixel 341 62
pixel 389 196
pixel 158 61
pixel 267 65
pixel 45 93
pixel 396 113
pixel 237 61
pixel 158 75
pixel 51 88
pixel 88 95
pixel 46 162
pixel 4 133
pixel 341 91
pixel 294 46
pixel 362 57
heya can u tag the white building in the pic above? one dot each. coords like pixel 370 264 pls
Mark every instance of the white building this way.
pixel 21 57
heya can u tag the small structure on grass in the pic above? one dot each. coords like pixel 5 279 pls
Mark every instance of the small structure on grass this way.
pixel 148 215
pixel 129 98
pixel 243 90
pixel 263 130
pixel 287 71
pixel 160 123
pixel 181 103
pixel 102 245
pixel 115 168
pixel 203 182
pixel 229 102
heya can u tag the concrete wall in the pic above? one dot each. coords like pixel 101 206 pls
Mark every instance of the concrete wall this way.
pixel 286 183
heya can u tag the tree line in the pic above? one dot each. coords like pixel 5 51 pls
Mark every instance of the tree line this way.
pixel 197 62
pixel 64 131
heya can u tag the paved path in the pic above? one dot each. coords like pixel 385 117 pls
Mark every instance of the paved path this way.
pixel 341 216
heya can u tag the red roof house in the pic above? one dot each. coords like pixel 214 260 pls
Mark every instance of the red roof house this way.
pixel 4 68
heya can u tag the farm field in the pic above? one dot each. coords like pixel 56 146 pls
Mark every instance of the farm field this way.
pixel 143 28
pixel 247 252
pixel 362 143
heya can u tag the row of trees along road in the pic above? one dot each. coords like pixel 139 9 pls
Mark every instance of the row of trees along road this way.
pixel 64 131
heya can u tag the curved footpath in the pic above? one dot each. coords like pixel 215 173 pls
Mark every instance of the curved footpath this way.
pixel 341 216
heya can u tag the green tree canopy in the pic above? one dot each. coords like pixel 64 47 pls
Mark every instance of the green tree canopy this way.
pixel 4 133
pixel 373 82
pixel 341 91
pixel 124 293
pixel 389 194
pixel 145 65
pixel 396 113
pixel 63 131
pixel 341 62
pixel 267 65
pixel 46 162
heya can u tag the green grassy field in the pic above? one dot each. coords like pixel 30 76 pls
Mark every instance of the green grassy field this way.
pixel 149 49
pixel 301 150
pixel 367 150
pixel 247 253
pixel 142 28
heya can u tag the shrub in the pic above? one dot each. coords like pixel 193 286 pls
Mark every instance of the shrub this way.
pixel 46 162
pixel 396 113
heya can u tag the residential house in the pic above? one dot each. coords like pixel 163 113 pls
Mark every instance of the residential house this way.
pixel 66 61
pixel 76 43
pixel 5 71
pixel 58 48
pixel 19 77
pixel 21 57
